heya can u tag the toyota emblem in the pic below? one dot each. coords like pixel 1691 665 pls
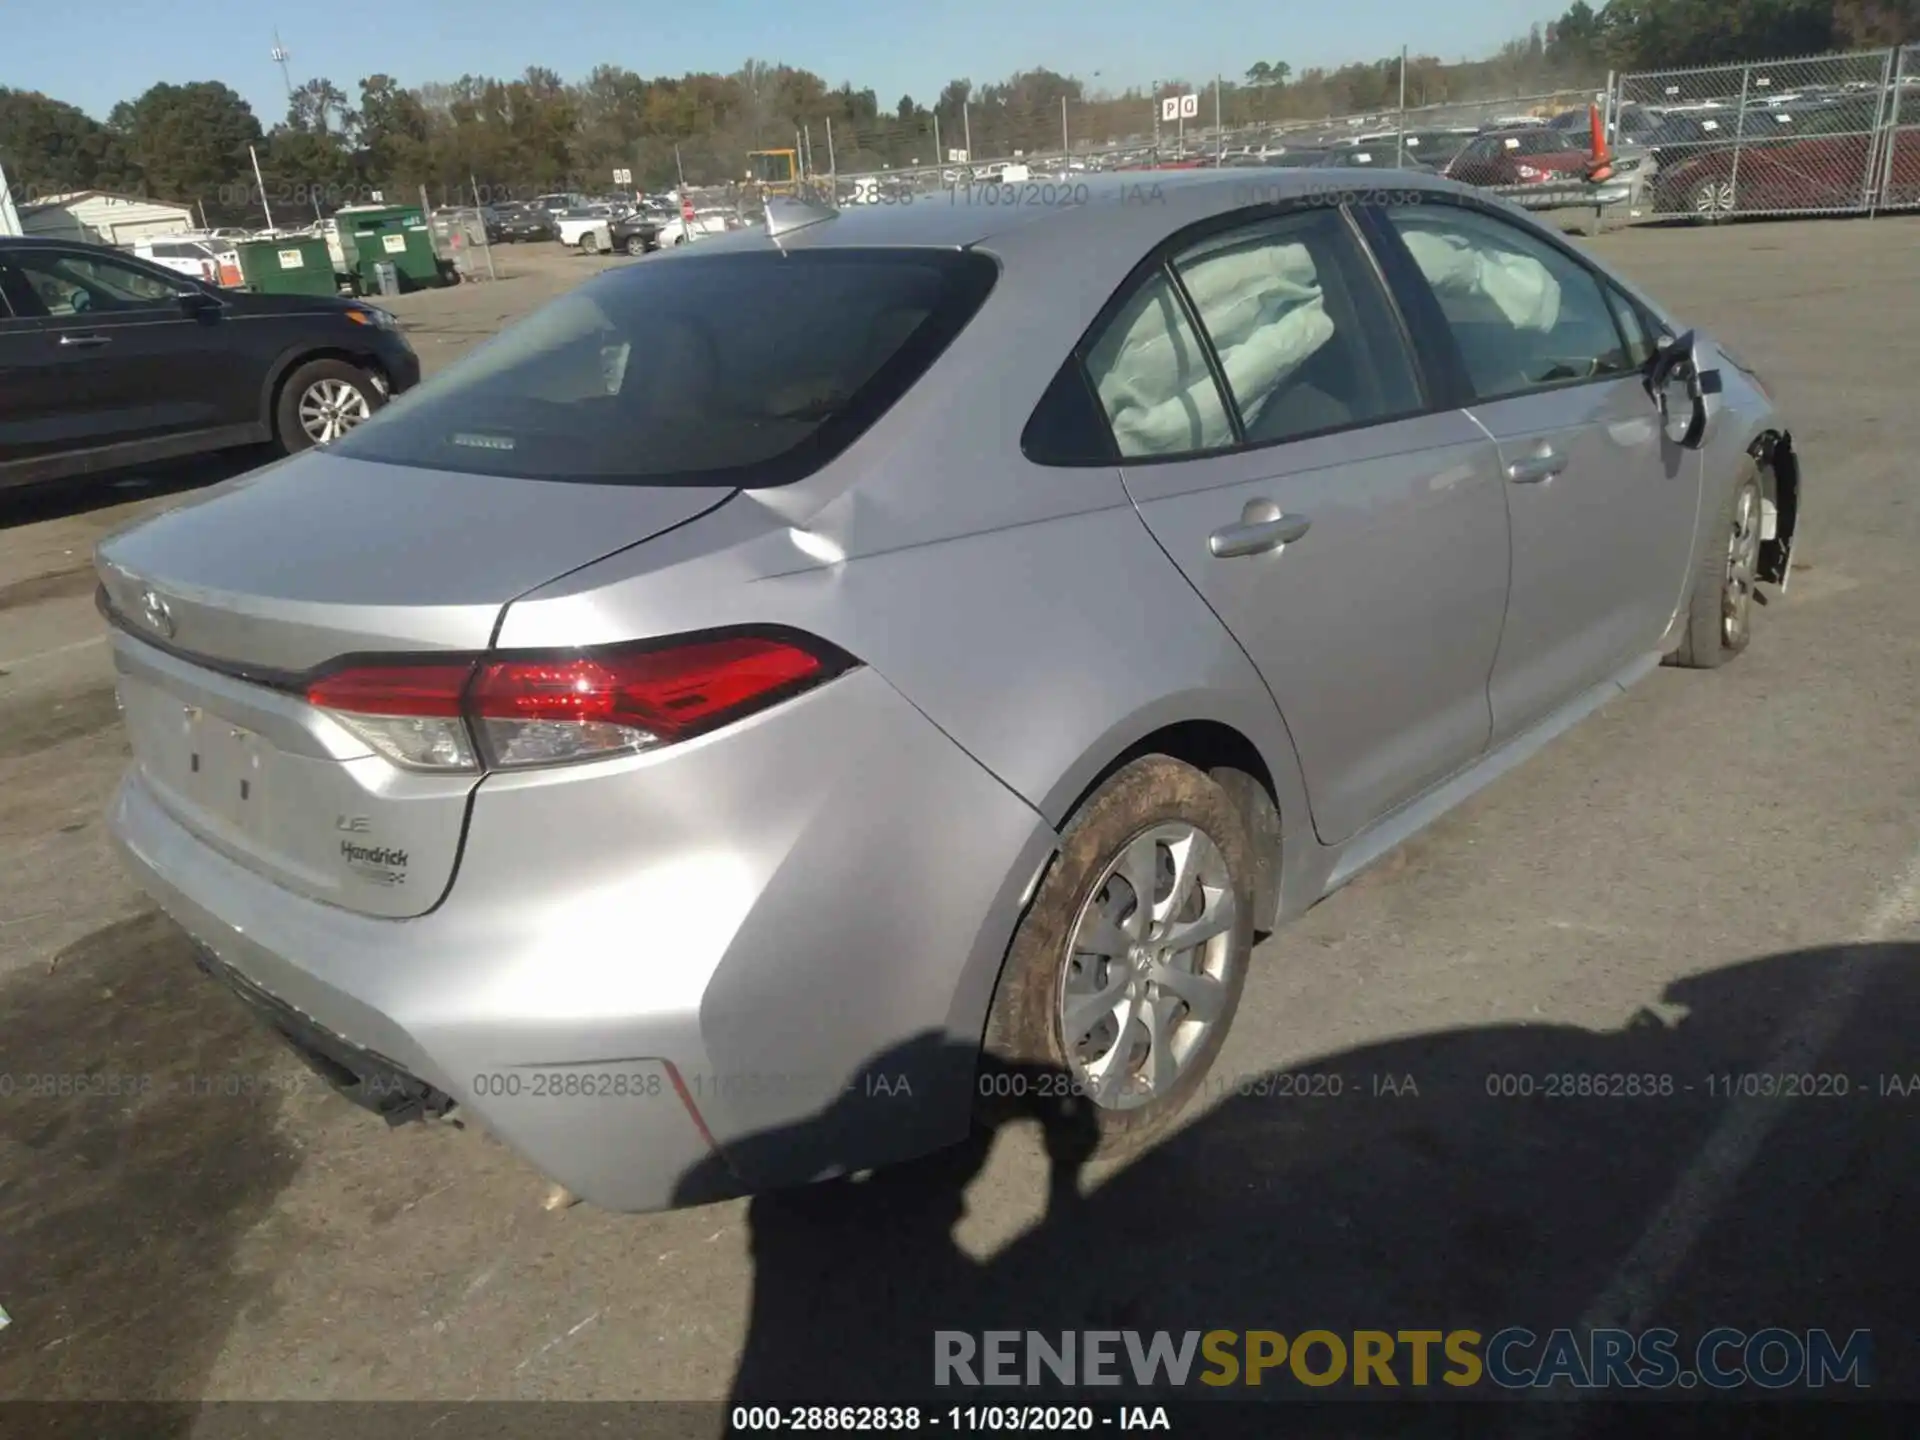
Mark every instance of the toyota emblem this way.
pixel 156 613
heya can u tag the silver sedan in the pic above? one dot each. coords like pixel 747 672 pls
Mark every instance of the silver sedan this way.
pixel 776 702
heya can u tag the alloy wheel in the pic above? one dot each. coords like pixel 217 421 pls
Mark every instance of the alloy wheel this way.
pixel 330 408
pixel 1147 966
pixel 1743 565
pixel 1714 199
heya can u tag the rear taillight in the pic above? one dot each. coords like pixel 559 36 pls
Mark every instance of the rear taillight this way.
pixel 514 711
pixel 408 713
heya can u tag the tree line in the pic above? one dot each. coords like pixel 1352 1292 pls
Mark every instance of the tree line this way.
pixel 494 138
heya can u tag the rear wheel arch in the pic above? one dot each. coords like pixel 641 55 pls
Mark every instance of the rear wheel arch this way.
pixel 1235 763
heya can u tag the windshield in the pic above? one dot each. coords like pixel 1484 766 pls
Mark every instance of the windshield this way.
pixel 750 369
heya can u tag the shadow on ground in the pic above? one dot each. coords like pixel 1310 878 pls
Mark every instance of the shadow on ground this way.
pixel 136 1149
pixel 1379 1208
pixel 1397 1194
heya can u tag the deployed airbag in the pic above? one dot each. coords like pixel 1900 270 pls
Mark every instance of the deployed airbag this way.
pixel 1264 311
pixel 1519 286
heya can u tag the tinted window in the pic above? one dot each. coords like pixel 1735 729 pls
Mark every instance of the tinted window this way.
pixel 1524 315
pixel 1304 335
pixel 1545 142
pixel 747 368
pixel 76 282
pixel 1066 427
pixel 1150 372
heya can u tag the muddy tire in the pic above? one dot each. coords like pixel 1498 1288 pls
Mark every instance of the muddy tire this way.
pixel 1111 1003
pixel 1719 621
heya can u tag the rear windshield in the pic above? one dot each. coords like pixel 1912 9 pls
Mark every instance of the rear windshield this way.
pixel 747 369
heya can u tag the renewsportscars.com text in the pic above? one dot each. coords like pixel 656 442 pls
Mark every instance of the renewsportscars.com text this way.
pixel 1513 1358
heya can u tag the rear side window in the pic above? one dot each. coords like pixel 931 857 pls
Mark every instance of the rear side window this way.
pixel 1150 371
pixel 750 368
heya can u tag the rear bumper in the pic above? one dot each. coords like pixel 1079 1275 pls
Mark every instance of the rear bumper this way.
pixel 668 978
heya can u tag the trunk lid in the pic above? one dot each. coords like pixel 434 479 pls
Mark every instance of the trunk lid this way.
pixel 225 602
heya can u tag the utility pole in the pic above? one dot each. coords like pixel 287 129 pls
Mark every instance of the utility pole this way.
pixel 966 121
pixel 833 170
pixel 1156 120
pixel 1400 131
pixel 939 155
pixel 1219 130
pixel 1066 148
pixel 262 184
pixel 480 214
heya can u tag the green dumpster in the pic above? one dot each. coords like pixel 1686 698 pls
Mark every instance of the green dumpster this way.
pixel 291 266
pixel 398 235
pixel 361 227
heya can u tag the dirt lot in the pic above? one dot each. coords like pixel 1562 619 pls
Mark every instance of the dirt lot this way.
pixel 1717 875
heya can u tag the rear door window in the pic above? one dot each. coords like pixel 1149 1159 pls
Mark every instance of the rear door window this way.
pixel 750 368
pixel 1304 334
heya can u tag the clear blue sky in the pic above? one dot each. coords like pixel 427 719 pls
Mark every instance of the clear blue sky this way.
pixel 97 52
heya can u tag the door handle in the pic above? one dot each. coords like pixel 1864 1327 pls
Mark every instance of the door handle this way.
pixel 79 341
pixel 1262 527
pixel 1543 464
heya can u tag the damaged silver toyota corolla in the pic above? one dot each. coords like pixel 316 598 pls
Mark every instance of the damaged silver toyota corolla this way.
pixel 697 727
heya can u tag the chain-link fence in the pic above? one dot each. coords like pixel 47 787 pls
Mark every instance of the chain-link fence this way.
pixel 1900 166
pixel 1815 136
pixel 460 236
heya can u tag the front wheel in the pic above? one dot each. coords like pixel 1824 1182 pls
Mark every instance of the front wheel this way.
pixel 589 244
pixel 636 246
pixel 1720 606
pixel 321 401
pixel 1125 974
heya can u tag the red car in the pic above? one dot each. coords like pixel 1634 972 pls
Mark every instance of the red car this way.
pixel 1534 156
pixel 1813 158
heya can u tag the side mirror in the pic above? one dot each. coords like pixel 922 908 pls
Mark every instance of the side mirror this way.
pixel 1674 383
pixel 194 303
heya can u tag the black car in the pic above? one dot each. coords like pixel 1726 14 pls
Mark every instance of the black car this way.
pixel 106 361
pixel 510 226
pixel 636 233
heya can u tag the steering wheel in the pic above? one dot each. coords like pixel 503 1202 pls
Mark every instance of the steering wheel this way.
pixel 80 301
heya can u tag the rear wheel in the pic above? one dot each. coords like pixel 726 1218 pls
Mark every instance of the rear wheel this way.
pixel 636 246
pixel 321 401
pixel 1126 972
pixel 1720 608
pixel 589 244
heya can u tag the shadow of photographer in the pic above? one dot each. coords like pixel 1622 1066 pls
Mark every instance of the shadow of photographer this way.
pixel 1464 1179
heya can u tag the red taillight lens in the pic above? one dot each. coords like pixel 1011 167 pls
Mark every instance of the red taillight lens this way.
pixel 394 689
pixel 525 710
pixel 668 693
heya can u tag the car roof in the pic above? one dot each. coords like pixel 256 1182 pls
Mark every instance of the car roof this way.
pixel 994 215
